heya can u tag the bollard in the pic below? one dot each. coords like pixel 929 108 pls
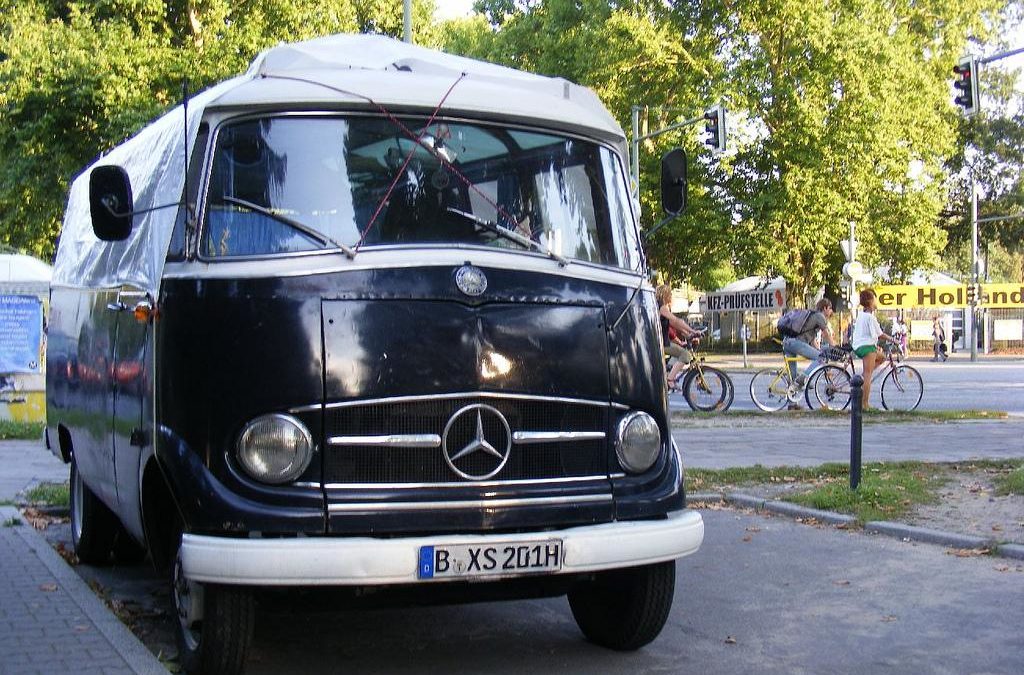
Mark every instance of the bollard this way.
pixel 856 422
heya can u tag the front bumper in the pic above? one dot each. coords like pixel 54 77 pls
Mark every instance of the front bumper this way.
pixel 370 561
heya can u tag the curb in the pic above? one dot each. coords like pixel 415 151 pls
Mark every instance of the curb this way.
pixel 926 535
pixel 890 529
pixel 122 640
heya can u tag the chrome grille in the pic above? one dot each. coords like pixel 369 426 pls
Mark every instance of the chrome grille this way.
pixel 352 462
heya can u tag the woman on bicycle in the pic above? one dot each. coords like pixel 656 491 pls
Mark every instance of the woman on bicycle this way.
pixel 682 355
pixel 866 333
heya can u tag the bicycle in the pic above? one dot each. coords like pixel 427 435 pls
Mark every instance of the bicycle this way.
pixel 901 390
pixel 771 389
pixel 705 388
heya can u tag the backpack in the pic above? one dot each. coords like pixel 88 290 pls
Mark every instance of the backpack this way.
pixel 792 323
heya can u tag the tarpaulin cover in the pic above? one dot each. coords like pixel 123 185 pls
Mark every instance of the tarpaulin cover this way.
pixel 155 157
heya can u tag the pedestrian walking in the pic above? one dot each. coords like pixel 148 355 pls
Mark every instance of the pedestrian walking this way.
pixel 938 340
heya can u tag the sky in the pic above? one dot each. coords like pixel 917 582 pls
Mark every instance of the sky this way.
pixel 449 9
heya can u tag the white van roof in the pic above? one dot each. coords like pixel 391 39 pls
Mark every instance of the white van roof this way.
pixel 368 71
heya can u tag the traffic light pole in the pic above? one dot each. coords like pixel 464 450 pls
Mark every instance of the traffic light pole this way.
pixel 634 155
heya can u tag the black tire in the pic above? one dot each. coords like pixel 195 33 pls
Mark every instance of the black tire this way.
pixel 218 642
pixel 769 390
pixel 126 550
pixel 707 389
pixel 93 526
pixel 902 389
pixel 625 609
pixel 829 388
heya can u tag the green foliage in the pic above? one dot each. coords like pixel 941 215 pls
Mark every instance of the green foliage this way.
pixel 1011 482
pixel 20 430
pixel 52 494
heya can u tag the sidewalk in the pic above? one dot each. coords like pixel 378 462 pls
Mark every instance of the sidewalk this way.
pixel 50 620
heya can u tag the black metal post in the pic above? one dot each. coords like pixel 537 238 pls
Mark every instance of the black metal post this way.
pixel 856 422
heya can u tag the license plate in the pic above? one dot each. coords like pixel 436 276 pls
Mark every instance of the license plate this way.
pixel 465 561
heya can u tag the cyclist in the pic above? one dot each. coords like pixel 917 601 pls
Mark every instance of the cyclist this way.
pixel 866 334
pixel 669 320
pixel 802 344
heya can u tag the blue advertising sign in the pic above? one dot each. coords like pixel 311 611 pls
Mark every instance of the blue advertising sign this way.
pixel 21 332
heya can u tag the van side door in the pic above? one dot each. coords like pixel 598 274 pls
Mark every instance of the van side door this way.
pixel 130 384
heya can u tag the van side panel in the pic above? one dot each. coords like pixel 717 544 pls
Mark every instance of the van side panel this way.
pixel 79 353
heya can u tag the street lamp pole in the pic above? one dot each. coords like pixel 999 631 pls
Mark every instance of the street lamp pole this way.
pixel 407 20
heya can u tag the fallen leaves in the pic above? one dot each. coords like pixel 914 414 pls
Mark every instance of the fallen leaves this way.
pixel 968 552
pixel 841 582
pixel 730 640
pixel 40 520
pixel 48 588
pixel 888 618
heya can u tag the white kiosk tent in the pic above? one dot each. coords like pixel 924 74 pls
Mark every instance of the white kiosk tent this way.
pixel 752 302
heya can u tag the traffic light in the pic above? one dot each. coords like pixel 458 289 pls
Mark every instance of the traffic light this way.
pixel 966 85
pixel 973 294
pixel 716 127
pixel 844 293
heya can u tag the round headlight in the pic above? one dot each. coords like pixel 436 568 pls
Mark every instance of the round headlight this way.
pixel 275 448
pixel 639 442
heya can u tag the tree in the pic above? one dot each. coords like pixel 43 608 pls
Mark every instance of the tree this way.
pixel 851 102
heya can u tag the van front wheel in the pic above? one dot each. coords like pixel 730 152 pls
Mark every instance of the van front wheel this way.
pixel 215 624
pixel 625 609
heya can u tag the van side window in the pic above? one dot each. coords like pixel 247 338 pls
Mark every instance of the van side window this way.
pixel 195 173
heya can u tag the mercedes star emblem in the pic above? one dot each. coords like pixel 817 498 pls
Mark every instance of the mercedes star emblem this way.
pixel 471 280
pixel 477 438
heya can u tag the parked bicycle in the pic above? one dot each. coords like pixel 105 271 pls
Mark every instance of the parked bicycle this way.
pixel 772 389
pixel 705 388
pixel 902 386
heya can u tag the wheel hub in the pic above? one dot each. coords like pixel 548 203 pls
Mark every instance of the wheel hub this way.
pixel 188 602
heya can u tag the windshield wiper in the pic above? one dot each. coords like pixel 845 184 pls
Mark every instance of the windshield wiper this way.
pixel 316 235
pixel 511 235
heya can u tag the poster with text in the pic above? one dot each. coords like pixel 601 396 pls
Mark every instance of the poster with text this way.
pixel 21 333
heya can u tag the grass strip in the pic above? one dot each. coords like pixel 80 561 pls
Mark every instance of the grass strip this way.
pixel 10 430
pixel 887 491
pixel 1011 483
pixel 51 494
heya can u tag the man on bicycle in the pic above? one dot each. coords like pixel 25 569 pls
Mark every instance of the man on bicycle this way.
pixel 802 344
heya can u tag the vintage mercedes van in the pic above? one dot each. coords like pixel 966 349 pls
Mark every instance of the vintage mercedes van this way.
pixel 387 325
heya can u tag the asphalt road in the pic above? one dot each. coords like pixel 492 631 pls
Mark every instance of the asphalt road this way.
pixel 796 599
pixel 954 385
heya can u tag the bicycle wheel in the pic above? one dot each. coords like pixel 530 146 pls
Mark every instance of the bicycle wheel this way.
pixel 902 388
pixel 769 389
pixel 707 389
pixel 829 388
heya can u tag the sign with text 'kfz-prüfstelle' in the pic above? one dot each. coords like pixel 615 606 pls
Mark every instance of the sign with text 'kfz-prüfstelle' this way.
pixel 763 300
pixel 905 297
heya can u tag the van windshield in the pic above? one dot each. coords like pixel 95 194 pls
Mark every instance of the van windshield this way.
pixel 290 184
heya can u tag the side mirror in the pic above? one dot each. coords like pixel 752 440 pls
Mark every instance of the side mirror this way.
pixel 673 181
pixel 110 203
